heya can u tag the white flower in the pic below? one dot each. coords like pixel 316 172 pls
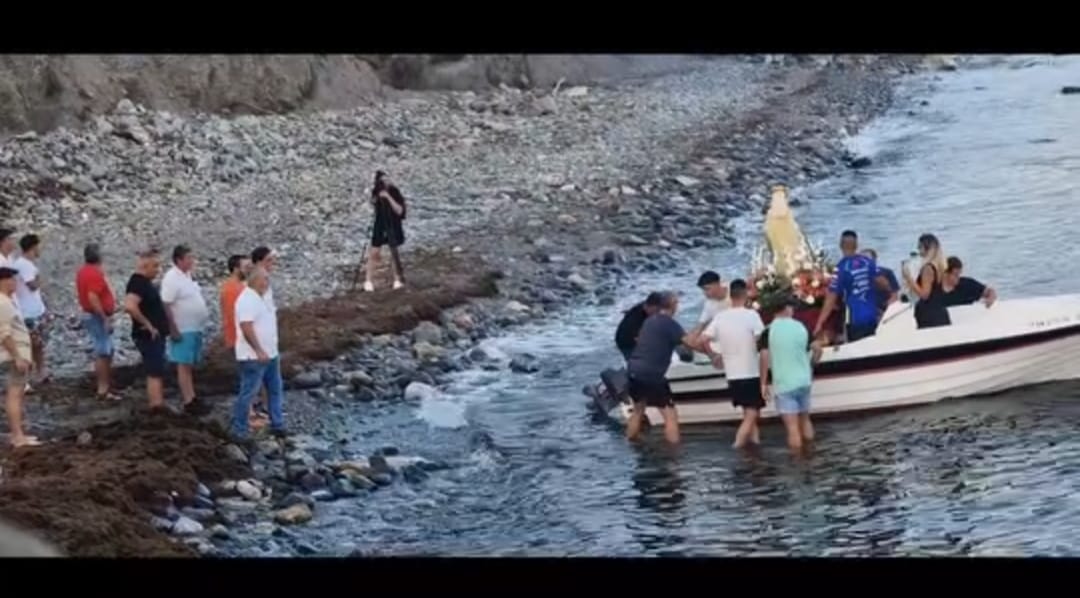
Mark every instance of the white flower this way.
pixel 806 265
pixel 796 283
pixel 814 283
pixel 755 305
pixel 760 284
pixel 809 299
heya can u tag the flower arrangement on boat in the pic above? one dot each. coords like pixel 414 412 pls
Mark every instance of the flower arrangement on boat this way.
pixel 808 281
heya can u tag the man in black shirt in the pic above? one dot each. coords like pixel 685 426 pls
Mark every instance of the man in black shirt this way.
pixel 961 290
pixel 626 334
pixel 149 323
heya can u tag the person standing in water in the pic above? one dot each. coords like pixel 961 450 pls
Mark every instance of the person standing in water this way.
pixel 648 365
pixel 733 334
pixel 931 310
pixel 388 229
pixel 785 349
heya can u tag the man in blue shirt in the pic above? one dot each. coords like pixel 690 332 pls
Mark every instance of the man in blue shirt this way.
pixel 857 282
pixel 894 284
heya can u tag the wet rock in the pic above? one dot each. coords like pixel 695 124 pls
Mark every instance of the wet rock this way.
pixel 185 526
pixel 293 515
pixel 161 524
pixel 687 181
pixel 525 364
pixel 248 490
pixel 517 307
pixel 220 532
pixel 305 549
pixel 236 454
pixel 1070 89
pixel 323 495
pixel 545 105
pixel 295 498
pixel 578 281
pixel 428 332
pixel 359 379
pixel 577 91
pixel 202 490
pixel 464 321
pixel 388 451
pixel 342 489
pixel 418 391
pixel 202 502
pixel 84 439
pixel 379 464
pixel 312 481
pixel 310 379
pixel 428 352
pixel 382 479
pixel 197 514
pixel 300 457
pixel 236 505
pixel 860 162
pixel 627 190
pixel 357 479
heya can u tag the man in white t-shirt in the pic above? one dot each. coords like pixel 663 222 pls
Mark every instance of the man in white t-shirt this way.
pixel 188 315
pixel 732 335
pixel 28 298
pixel 257 355
pixel 716 300
pixel 7 247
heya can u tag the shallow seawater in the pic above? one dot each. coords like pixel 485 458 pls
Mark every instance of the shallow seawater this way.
pixel 989 159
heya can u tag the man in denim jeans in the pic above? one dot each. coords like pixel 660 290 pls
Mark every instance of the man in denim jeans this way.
pixel 257 355
pixel 785 349
pixel 98 305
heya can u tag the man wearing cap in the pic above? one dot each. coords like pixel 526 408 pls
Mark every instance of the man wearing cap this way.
pixel 787 351
pixel 188 314
pixel 626 335
pixel 98 304
pixel 149 324
pixel 15 357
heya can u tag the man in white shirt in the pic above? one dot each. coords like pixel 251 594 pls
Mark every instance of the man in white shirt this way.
pixel 7 247
pixel 716 300
pixel 29 299
pixel 188 314
pixel 733 336
pixel 257 355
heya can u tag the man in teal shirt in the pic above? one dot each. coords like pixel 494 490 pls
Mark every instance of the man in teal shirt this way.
pixel 785 350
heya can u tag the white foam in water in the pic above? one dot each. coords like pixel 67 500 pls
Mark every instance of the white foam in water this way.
pixel 442 411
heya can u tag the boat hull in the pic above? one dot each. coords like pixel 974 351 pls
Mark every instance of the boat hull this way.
pixel 1026 343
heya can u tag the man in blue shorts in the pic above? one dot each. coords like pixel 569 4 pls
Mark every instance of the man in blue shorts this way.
pixel 785 350
pixel 188 316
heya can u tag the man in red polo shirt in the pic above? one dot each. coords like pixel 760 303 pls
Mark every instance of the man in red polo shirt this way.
pixel 98 304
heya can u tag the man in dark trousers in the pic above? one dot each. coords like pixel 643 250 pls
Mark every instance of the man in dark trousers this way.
pixel 149 323
pixel 626 335
pixel 390 211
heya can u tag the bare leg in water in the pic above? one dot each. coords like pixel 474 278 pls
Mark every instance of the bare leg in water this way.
pixel 794 433
pixel 633 425
pixel 671 424
pixel 806 429
pixel 747 432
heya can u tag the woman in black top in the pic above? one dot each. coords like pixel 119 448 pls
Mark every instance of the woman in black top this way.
pixel 387 229
pixel 931 310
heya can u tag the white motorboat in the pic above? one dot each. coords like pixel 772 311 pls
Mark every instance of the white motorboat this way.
pixel 1015 343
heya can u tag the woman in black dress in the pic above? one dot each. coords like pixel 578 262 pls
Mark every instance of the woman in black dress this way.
pixel 389 205
pixel 931 309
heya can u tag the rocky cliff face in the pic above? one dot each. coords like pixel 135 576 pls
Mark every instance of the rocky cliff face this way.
pixel 42 92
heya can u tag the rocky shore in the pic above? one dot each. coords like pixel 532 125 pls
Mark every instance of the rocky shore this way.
pixel 557 194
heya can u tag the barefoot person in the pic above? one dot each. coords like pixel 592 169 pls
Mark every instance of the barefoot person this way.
pixel 785 349
pixel 31 303
pixel 257 355
pixel 15 356
pixel 390 211
pixel 732 335
pixel 149 324
pixel 648 366
pixel 188 314
pixel 98 305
